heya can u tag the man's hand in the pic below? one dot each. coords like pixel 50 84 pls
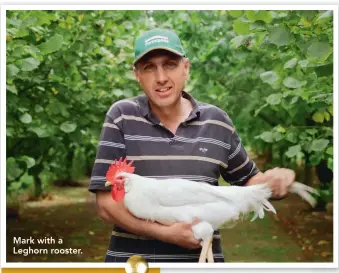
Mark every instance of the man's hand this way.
pixel 180 234
pixel 279 179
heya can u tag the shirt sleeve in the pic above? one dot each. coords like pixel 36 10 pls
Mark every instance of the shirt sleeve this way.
pixel 111 147
pixel 240 167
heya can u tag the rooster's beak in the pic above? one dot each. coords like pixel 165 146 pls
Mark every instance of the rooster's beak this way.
pixel 108 183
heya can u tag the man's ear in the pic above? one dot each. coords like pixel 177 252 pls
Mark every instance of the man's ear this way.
pixel 136 74
pixel 187 65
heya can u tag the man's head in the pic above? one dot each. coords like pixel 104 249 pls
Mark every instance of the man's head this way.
pixel 160 66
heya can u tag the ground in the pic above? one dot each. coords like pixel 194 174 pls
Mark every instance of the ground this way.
pixel 295 234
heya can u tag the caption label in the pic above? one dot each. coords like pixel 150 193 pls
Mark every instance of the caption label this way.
pixel 32 246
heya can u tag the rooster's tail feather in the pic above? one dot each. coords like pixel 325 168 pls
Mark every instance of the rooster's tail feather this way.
pixel 304 192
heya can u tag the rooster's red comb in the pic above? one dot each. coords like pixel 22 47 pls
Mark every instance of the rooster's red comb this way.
pixel 119 167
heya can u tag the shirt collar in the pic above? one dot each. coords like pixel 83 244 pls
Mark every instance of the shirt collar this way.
pixel 146 110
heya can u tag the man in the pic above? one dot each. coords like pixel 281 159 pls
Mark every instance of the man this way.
pixel 169 134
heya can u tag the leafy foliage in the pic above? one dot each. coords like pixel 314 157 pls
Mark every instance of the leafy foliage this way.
pixel 270 70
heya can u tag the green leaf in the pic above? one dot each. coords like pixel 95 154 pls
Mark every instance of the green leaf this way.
pixel 324 17
pixel 274 99
pixel 277 136
pixel 118 93
pixel 330 163
pixel 43 17
pixel 40 132
pixel 30 162
pixel 319 50
pixel 315 159
pixel 68 127
pixel 294 100
pixel 293 151
pixel 292 137
pixel 13 169
pixel 269 77
pixel 38 109
pixel 319 145
pixel 327 116
pixel 237 41
pixel 235 13
pixel 329 150
pixel 311 131
pixel 29 64
pixel 12 89
pixel 280 129
pixel 303 63
pixel 267 137
pixel 280 36
pixel 330 109
pixel 241 27
pixel 52 45
pixel 318 117
pixel 259 109
pixel 26 118
pixel 259 15
pixel 12 70
pixel 291 63
pixel 291 82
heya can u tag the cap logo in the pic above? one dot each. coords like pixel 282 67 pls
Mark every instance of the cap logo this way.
pixel 156 39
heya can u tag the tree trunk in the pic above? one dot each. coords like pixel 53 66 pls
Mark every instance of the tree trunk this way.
pixel 35 171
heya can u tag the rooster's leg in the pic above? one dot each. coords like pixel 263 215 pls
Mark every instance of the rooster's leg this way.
pixel 205 248
pixel 210 258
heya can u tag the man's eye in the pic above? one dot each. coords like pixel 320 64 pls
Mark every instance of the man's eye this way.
pixel 170 65
pixel 148 68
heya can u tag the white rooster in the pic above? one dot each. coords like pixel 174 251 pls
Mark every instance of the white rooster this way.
pixel 179 200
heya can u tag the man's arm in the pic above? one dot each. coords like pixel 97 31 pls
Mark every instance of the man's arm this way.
pixel 279 179
pixel 179 233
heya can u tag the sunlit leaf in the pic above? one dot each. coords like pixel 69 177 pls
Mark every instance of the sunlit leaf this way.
pixel 269 77
pixel 260 15
pixel 12 89
pixel 280 36
pixel 318 117
pixel 274 99
pixel 12 70
pixel 293 151
pixel 26 118
pixel 29 64
pixel 52 45
pixel 13 169
pixel 241 27
pixel 237 41
pixel 329 150
pixel 235 13
pixel 319 50
pixel 68 127
pixel 324 17
pixel 319 145
pixel 291 63
pixel 291 82
pixel 267 137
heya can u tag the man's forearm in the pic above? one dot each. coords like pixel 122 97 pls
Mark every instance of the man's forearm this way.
pixel 256 179
pixel 117 214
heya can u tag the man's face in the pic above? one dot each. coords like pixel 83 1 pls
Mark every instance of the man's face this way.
pixel 162 75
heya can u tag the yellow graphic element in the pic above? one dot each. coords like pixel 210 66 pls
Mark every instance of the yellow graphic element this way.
pixel 136 264
pixel 75 270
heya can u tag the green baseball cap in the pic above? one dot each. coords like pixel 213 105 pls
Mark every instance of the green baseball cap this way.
pixel 157 39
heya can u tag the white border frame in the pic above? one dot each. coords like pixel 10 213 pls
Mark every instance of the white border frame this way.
pixel 168 7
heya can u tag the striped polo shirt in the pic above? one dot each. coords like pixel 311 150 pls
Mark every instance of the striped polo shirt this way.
pixel 205 146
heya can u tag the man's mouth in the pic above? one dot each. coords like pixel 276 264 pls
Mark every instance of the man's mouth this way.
pixel 164 89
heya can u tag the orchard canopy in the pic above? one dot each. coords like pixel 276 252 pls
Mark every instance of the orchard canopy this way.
pixel 271 71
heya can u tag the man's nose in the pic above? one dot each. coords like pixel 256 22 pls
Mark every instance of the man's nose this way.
pixel 161 76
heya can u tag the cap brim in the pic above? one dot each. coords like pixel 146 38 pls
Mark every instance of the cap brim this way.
pixel 159 47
